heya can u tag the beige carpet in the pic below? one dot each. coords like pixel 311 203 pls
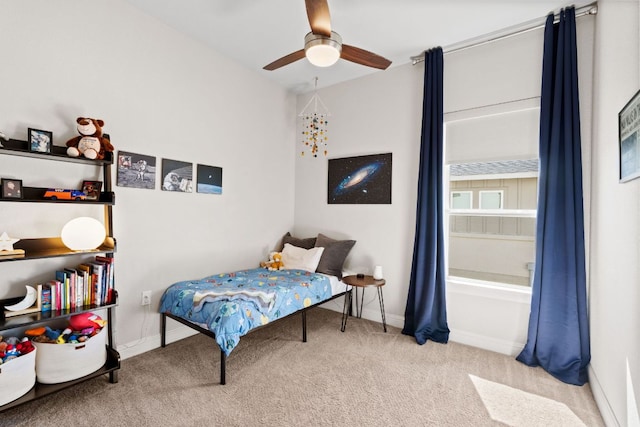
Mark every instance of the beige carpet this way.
pixel 506 404
pixel 362 377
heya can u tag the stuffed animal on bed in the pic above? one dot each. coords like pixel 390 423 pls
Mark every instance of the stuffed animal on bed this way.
pixel 274 263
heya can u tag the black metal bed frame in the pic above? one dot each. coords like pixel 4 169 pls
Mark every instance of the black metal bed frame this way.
pixel 223 357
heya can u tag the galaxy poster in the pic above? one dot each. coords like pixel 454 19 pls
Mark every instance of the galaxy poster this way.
pixel 360 180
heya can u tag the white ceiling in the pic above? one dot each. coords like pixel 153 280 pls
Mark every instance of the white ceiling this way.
pixel 257 32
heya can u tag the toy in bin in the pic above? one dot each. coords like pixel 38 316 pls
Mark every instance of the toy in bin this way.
pixel 17 368
pixel 13 347
pixel 81 327
pixel 72 351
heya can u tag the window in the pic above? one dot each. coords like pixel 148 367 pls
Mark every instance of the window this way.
pixel 492 172
pixel 491 199
pixel 461 199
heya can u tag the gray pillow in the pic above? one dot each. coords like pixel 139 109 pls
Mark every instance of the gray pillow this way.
pixel 334 254
pixel 305 243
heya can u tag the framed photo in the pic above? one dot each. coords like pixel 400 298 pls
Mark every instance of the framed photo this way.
pixel 209 179
pixel 177 176
pixel 92 189
pixel 360 180
pixel 40 140
pixel 629 139
pixel 11 188
pixel 136 170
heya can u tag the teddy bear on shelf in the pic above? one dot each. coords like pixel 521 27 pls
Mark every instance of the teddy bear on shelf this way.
pixel 90 143
pixel 274 263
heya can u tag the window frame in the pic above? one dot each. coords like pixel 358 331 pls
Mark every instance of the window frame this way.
pixel 448 178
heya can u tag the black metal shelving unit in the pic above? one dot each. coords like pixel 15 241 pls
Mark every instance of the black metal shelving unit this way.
pixel 49 247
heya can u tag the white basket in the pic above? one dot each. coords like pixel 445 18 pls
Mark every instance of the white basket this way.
pixel 58 363
pixel 17 377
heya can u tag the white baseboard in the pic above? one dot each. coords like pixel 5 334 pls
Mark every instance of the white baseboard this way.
pixel 370 314
pixel 375 316
pixel 608 416
pixel 487 343
pixel 509 348
pixel 152 342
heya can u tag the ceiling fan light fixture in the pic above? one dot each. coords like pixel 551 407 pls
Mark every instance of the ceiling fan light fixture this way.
pixel 322 51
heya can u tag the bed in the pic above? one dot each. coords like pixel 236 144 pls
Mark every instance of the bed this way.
pixel 229 305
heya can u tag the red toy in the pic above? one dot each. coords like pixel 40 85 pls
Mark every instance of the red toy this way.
pixel 85 320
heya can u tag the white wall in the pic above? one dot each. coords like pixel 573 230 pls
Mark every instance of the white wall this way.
pixel 382 113
pixel 165 95
pixel 160 94
pixel 615 271
pixel 377 114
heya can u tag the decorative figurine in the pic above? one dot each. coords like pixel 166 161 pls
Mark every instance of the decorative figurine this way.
pixel 6 246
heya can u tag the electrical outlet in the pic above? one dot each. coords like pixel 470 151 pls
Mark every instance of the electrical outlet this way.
pixel 146 298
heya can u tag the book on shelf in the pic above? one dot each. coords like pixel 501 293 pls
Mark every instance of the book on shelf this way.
pixel 54 286
pixel 63 296
pixel 109 284
pixel 73 281
pixel 85 271
pixel 45 296
pixel 90 283
pixel 98 275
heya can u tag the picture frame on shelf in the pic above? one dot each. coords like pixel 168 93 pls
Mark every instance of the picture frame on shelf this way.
pixel 629 139
pixel 92 189
pixel 40 140
pixel 11 188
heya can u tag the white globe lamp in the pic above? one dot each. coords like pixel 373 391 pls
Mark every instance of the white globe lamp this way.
pixel 83 234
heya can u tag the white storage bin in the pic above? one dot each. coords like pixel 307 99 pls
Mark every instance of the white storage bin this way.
pixel 58 363
pixel 17 377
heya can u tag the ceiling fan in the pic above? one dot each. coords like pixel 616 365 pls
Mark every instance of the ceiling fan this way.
pixel 324 47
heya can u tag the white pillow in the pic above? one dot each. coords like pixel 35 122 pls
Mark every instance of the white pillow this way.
pixel 294 257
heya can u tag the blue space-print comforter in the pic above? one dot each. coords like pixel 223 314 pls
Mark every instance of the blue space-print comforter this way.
pixel 232 304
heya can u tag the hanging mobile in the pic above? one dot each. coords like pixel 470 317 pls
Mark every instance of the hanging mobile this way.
pixel 314 125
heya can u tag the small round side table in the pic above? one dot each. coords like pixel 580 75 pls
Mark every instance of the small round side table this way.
pixel 362 282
